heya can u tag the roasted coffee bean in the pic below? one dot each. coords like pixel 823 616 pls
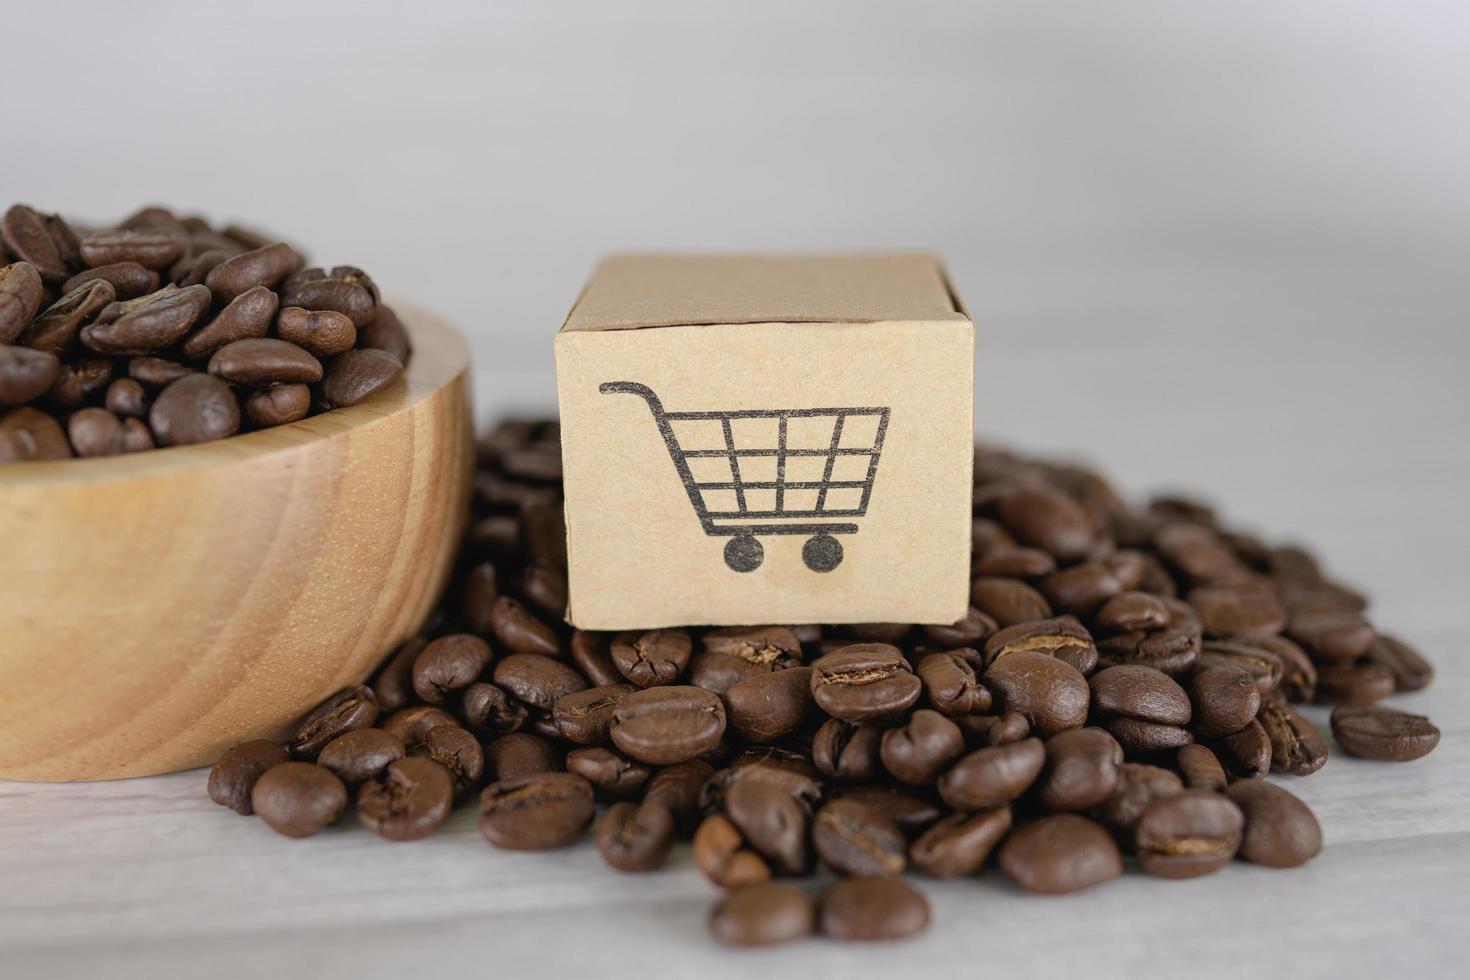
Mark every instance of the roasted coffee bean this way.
pixel 1280 830
pixel 1080 590
pixel 80 383
pixel 769 706
pixel 1063 637
pixel 448 664
pixel 1172 650
pixel 679 788
pixel 344 289
pixel 386 333
pixel 520 755
pixel 150 249
pixel 1081 770
pixel 994 729
pixel 1332 637
pixel 994 776
pixel 958 845
pixel 971 631
pixel 264 361
pixel 790 772
pixel 42 240
pixel 1246 754
pixel 1188 834
pixel 157 373
pixel 1225 699
pixel 913 813
pixel 477 598
pixel 1296 748
pixel 393 685
pixel 265 266
pixel 26 374
pixel 128 280
pixel 1053 695
pixel 410 725
pixel 1240 609
pixel 458 752
pixel 545 587
pixel 721 855
pixel 870 909
pixel 1132 691
pixel 1008 601
pixel 586 717
pixel 665 725
pixel 1298 674
pixel 635 836
pixel 1373 732
pixel 1060 854
pixel 1048 519
pixel 1264 666
pixel 950 685
pixel 771 821
pixel 348 710
pixel 1197 553
pixel 234 776
pixel 547 810
pixel 846 751
pixel 522 632
pixel 1146 738
pixel 409 802
pixel 1130 611
pixel 95 432
pixel 733 655
pixel 127 398
pixel 864 681
pixel 591 655
pixel 490 710
pixel 1014 561
pixel 762 914
pixel 360 755
pixel 538 681
pixel 195 408
pixel 320 332
pixel 20 298
pixel 653 658
pixel 918 751
pixel 298 799
pixel 246 317
pixel 147 324
pixel 1410 671
pixel 1201 768
pixel 609 773
pixel 1138 785
pixel 987 535
pixel 358 374
pixel 278 405
pixel 1364 682
pixel 853 839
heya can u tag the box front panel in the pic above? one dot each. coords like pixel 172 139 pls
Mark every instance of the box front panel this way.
pixel 768 473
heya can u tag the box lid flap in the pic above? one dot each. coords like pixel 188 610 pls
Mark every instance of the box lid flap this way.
pixel 628 292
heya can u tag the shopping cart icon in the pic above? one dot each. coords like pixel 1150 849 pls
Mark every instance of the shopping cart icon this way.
pixel 756 472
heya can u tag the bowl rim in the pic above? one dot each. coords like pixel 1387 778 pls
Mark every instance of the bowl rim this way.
pixel 440 355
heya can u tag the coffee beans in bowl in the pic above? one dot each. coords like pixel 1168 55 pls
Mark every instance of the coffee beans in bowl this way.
pixel 165 331
pixel 1113 703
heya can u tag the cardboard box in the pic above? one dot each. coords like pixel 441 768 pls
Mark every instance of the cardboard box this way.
pixel 752 440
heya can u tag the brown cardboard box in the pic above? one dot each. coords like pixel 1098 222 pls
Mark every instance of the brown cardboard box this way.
pixel 753 439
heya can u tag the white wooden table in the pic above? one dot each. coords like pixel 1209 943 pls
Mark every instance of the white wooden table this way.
pixel 1321 421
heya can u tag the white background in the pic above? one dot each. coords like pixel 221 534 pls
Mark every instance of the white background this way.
pixel 1222 246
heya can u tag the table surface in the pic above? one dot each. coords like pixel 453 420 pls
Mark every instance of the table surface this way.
pixel 1315 421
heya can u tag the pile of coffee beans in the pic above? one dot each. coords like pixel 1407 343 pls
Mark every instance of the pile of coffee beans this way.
pixel 164 331
pixel 1121 684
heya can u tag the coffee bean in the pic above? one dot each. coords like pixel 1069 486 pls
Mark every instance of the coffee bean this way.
pixel 156 372
pixel 762 914
pixel 1063 637
pixel 393 686
pixel 1130 611
pixel 788 771
pixel 610 774
pixel 457 751
pixel 349 709
pixel 863 681
pixel 1332 637
pixel 652 658
pixel 127 398
pixel 994 729
pixel 410 725
pixel 344 290
pixel 679 788
pixel 358 374
pixel 233 777
pixel 1080 590
pixel 20 298
pixel 41 240
pixel 1225 699
pixel 545 587
pixel 872 909
pixel 1140 694
pixel 1410 671
pixel 853 839
pixel 1201 768
pixel 56 329
pixel 1246 754
pixel 994 776
pixel 1280 830
pixel 298 799
pixel 264 361
pixel 918 751
pixel 320 332
pixel 1261 663
pixel 1060 854
pixel 520 755
pixel 1138 785
pixel 1187 834
pixel 360 755
pixel 449 664
pixel 538 812
pixel 195 408
pixel 265 266
pixel 1298 674
pixel 1048 519
pixel 846 751
pixel 1008 601
pixel 586 716
pixel 971 631
pixel 409 802
pixel 1081 770
pixel 958 845
pixel 1296 748
pixel 1053 695
pixel 1245 609
pixel 1373 732
pixel 147 324
pixel 1014 561
pixel 770 821
pixel 721 855
pixel 278 405
pixel 949 684
pixel 765 708
pixel 150 249
pixel 128 280
pixel 1364 682
pixel 635 836
pixel 1196 553
pixel 666 725
pixel 591 655
pixel 386 333
pixel 96 432
pixel 490 710
pixel 538 681
pixel 26 374
pixel 246 317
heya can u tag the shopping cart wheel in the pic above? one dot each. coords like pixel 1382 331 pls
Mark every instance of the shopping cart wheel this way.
pixel 743 553
pixel 822 553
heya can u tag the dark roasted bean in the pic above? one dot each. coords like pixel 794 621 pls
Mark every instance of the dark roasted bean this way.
pixel 1063 637
pixel 872 909
pixel 550 809
pixel 854 839
pixel 1280 830
pixel 1364 682
pixel 635 836
pixel 538 681
pixel 918 751
pixel 195 408
pixel 361 754
pixel 1373 732
pixel 1060 854
pixel 762 914
pixel 652 658
pixel 519 755
pixel 1187 834
pixel 348 710
pixel 1053 695
pixel 448 664
pixel 586 717
pixel 958 845
pixel 994 776
pixel 409 801
pixel 234 776
pixel 358 374
pixel 1008 601
pixel 1201 768
pixel 1296 748
pixel 1410 671
pixel 665 725
pixel 769 706
pixel 1081 770
pixel 863 681
pixel 298 799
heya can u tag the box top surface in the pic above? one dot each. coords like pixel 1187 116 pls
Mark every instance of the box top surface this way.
pixel 629 292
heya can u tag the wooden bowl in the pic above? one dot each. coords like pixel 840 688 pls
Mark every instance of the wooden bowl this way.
pixel 157 608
